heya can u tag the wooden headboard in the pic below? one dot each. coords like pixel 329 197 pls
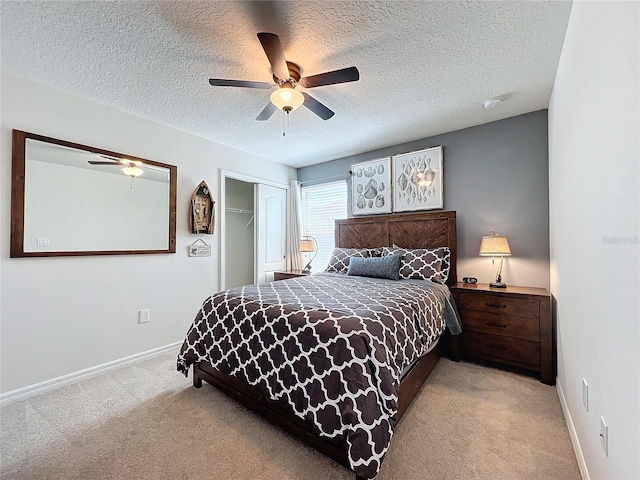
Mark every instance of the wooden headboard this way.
pixel 411 230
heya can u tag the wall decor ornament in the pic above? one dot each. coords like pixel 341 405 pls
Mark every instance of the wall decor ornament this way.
pixel 202 215
pixel 371 187
pixel 417 180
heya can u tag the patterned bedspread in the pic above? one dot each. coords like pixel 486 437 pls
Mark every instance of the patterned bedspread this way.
pixel 330 346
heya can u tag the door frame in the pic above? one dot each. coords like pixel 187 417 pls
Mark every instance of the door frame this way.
pixel 224 174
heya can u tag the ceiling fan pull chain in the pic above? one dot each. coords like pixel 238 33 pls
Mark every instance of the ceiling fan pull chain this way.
pixel 285 120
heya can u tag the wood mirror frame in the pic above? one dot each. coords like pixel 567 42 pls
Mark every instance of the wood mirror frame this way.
pixel 19 199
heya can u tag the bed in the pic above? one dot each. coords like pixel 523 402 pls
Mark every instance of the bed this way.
pixel 334 359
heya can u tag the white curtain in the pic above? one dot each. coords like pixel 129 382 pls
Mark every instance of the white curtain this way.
pixel 294 259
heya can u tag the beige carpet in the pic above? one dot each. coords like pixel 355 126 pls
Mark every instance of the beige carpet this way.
pixel 145 421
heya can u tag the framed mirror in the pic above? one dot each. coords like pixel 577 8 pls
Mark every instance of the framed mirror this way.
pixel 71 199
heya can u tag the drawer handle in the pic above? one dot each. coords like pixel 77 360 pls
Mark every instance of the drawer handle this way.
pixel 496 347
pixel 489 304
pixel 493 324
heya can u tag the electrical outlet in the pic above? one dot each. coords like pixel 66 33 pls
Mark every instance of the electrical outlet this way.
pixel 604 436
pixel 585 394
pixel 144 316
pixel 42 242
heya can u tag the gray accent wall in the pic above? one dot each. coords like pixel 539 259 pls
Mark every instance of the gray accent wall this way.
pixel 496 177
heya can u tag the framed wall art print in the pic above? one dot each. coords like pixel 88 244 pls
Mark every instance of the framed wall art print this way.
pixel 417 180
pixel 371 187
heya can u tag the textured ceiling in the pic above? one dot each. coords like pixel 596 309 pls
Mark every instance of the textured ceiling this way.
pixel 425 67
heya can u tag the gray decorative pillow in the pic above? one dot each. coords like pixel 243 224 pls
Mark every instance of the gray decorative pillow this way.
pixel 423 263
pixel 339 261
pixel 377 267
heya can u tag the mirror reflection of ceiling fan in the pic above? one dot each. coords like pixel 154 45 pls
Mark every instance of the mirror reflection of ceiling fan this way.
pixel 287 77
pixel 133 168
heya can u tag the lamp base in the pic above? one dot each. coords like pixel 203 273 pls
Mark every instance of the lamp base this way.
pixel 498 285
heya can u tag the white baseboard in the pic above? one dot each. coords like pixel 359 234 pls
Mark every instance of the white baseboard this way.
pixel 29 390
pixel 582 465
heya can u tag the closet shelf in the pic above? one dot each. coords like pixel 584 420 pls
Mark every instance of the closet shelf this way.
pixel 239 210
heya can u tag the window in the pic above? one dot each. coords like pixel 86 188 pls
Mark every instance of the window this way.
pixel 321 205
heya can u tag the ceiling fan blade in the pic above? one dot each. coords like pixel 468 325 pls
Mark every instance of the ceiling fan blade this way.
pixel 316 107
pixel 95 162
pixel 343 75
pixel 219 82
pixel 273 48
pixel 266 112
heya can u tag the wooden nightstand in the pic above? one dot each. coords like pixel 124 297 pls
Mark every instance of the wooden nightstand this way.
pixel 284 274
pixel 507 326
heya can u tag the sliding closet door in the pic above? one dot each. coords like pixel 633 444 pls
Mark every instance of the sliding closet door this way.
pixel 270 230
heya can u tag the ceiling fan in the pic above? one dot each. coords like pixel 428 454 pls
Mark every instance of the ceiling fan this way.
pixel 133 168
pixel 287 77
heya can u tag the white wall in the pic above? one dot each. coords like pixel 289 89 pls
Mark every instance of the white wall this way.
pixel 60 315
pixel 594 228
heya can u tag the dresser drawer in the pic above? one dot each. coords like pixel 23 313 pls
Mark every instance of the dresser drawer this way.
pixel 524 328
pixel 500 305
pixel 501 348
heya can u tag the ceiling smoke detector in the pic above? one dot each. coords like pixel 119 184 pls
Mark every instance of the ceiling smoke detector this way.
pixel 492 103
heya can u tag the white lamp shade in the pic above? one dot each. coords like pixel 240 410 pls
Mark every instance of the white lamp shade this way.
pixel 494 245
pixel 288 98
pixel 307 245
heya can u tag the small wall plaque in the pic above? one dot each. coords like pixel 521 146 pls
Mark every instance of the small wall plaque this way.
pixel 202 250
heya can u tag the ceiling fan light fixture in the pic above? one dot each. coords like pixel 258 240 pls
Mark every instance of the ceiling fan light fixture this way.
pixel 132 170
pixel 286 98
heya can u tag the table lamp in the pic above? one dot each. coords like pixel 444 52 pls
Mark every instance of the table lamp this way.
pixel 494 245
pixel 308 244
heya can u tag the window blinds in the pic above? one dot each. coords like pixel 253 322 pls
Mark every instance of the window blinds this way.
pixel 321 205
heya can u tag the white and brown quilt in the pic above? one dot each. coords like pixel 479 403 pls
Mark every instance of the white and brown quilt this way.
pixel 330 346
